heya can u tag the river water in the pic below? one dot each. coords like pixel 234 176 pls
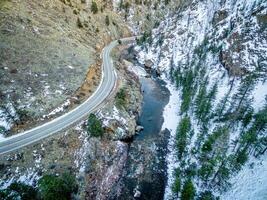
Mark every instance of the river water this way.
pixel 145 173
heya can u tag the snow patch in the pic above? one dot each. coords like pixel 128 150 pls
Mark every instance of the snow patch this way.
pixel 250 183
pixel 58 109
pixel 137 70
pixel 171 119
pixel 259 94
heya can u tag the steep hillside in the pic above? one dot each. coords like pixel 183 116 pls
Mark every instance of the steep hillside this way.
pixel 214 53
pixel 211 54
pixel 144 15
pixel 46 48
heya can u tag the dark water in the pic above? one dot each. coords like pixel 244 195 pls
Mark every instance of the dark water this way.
pixel 156 96
pixel 145 170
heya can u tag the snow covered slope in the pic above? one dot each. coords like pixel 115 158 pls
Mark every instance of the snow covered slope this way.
pixel 250 183
pixel 215 53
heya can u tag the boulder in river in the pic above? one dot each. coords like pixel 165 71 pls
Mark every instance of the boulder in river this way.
pixel 158 72
pixel 139 128
pixel 148 64
pixel 137 194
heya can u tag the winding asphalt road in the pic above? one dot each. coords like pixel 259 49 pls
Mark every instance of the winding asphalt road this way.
pixel 108 82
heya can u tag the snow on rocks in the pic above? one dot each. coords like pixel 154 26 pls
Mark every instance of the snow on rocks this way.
pixel 114 114
pixel 7 116
pixel 29 178
pixel 137 70
pixel 81 153
pixel 58 109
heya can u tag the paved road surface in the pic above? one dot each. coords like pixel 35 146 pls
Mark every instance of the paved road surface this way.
pixel 105 87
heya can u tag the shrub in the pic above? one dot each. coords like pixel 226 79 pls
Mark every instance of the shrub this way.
pixel 146 37
pixel 94 8
pixel 127 6
pixel 107 20
pixel 94 126
pixel 19 190
pixel 53 188
pixel 167 2
pixel 121 98
pixel 23 114
pixel 79 23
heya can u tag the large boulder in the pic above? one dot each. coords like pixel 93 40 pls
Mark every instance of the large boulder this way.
pixel 219 16
pixel 139 128
pixel 148 64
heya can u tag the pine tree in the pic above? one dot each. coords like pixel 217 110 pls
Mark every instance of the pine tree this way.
pixel 254 138
pixel 203 103
pixel 200 100
pixel 182 135
pixel 224 101
pixel 189 191
pixel 260 127
pixel 187 90
pixel 246 86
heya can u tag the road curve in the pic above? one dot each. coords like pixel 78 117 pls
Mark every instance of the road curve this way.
pixel 108 82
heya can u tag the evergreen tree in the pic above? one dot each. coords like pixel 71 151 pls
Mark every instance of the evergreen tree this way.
pixel 187 90
pixel 53 188
pixel 188 192
pixel 254 137
pixel 225 100
pixel 182 135
pixel 19 190
pixel 246 86
pixel 94 126
pixel 176 185
pixel 206 169
pixel 203 102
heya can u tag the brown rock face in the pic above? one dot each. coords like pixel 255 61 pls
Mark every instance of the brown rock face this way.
pixel 231 58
